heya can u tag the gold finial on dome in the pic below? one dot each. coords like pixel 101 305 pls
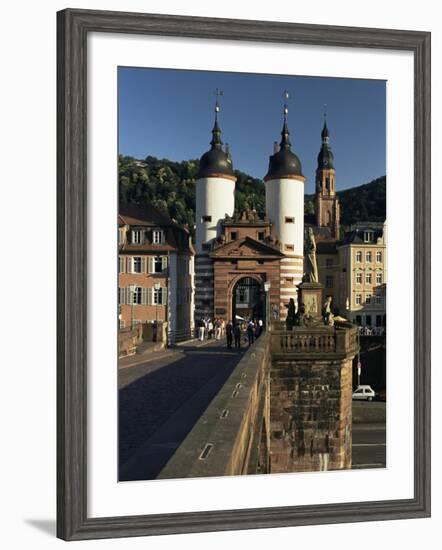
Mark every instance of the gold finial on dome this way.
pixel 218 93
pixel 286 109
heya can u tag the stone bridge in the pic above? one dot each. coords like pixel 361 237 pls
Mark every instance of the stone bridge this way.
pixel 286 407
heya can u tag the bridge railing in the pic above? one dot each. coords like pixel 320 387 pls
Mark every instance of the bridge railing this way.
pixel 300 340
pixel 229 437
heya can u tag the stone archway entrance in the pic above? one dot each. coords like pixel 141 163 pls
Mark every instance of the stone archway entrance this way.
pixel 248 299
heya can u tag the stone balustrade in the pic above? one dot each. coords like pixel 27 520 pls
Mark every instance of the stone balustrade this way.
pixel 340 339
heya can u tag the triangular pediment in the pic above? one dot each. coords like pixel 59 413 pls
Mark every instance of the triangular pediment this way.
pixel 246 248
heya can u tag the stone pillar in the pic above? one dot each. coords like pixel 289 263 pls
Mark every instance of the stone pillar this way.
pixel 310 400
pixel 311 295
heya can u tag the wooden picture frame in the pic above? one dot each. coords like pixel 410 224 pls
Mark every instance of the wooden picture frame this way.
pixel 73 28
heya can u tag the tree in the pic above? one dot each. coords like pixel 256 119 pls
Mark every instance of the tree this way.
pixel 170 186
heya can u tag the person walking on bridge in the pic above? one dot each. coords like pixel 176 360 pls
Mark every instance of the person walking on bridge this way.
pixel 217 325
pixel 251 332
pixel 201 329
pixel 229 334
pixel 237 335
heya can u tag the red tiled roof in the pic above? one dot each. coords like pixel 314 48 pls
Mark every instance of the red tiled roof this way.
pixel 145 214
pixel 148 216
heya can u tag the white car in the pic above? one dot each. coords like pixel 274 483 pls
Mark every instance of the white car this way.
pixel 364 393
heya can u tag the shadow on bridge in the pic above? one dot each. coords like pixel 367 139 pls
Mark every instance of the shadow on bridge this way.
pixel 159 408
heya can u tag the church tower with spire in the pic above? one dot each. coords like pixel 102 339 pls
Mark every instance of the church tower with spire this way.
pixel 215 198
pixel 284 190
pixel 326 200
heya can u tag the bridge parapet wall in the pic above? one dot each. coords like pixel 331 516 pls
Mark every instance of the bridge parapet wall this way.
pixel 232 436
pixel 285 408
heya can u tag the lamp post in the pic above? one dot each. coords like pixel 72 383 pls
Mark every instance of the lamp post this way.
pixel 267 291
pixel 132 289
pixel 157 287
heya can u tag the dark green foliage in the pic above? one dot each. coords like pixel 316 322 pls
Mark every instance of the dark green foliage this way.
pixel 170 186
pixel 364 203
pixel 249 193
pixel 309 206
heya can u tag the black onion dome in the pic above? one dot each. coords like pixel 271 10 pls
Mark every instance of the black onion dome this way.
pixel 215 161
pixel 284 162
pixel 325 156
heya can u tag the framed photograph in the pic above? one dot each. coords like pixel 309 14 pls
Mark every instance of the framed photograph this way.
pixel 235 198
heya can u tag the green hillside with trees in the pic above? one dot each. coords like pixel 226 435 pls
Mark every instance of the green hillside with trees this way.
pixel 170 186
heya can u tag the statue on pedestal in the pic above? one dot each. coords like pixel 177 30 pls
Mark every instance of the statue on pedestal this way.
pixel 291 314
pixel 311 267
pixel 300 317
pixel 327 313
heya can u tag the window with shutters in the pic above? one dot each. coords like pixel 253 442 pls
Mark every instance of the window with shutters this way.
pixel 121 296
pixel 158 264
pixel 159 296
pixel 137 236
pixel 157 236
pixel 135 296
pixel 137 264
pixel 121 264
pixel 121 236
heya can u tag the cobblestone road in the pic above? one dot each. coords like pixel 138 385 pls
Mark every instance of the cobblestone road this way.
pixel 160 400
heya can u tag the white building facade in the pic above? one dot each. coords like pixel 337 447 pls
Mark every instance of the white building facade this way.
pixel 284 188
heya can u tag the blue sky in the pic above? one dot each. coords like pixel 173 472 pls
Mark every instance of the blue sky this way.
pixel 169 114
